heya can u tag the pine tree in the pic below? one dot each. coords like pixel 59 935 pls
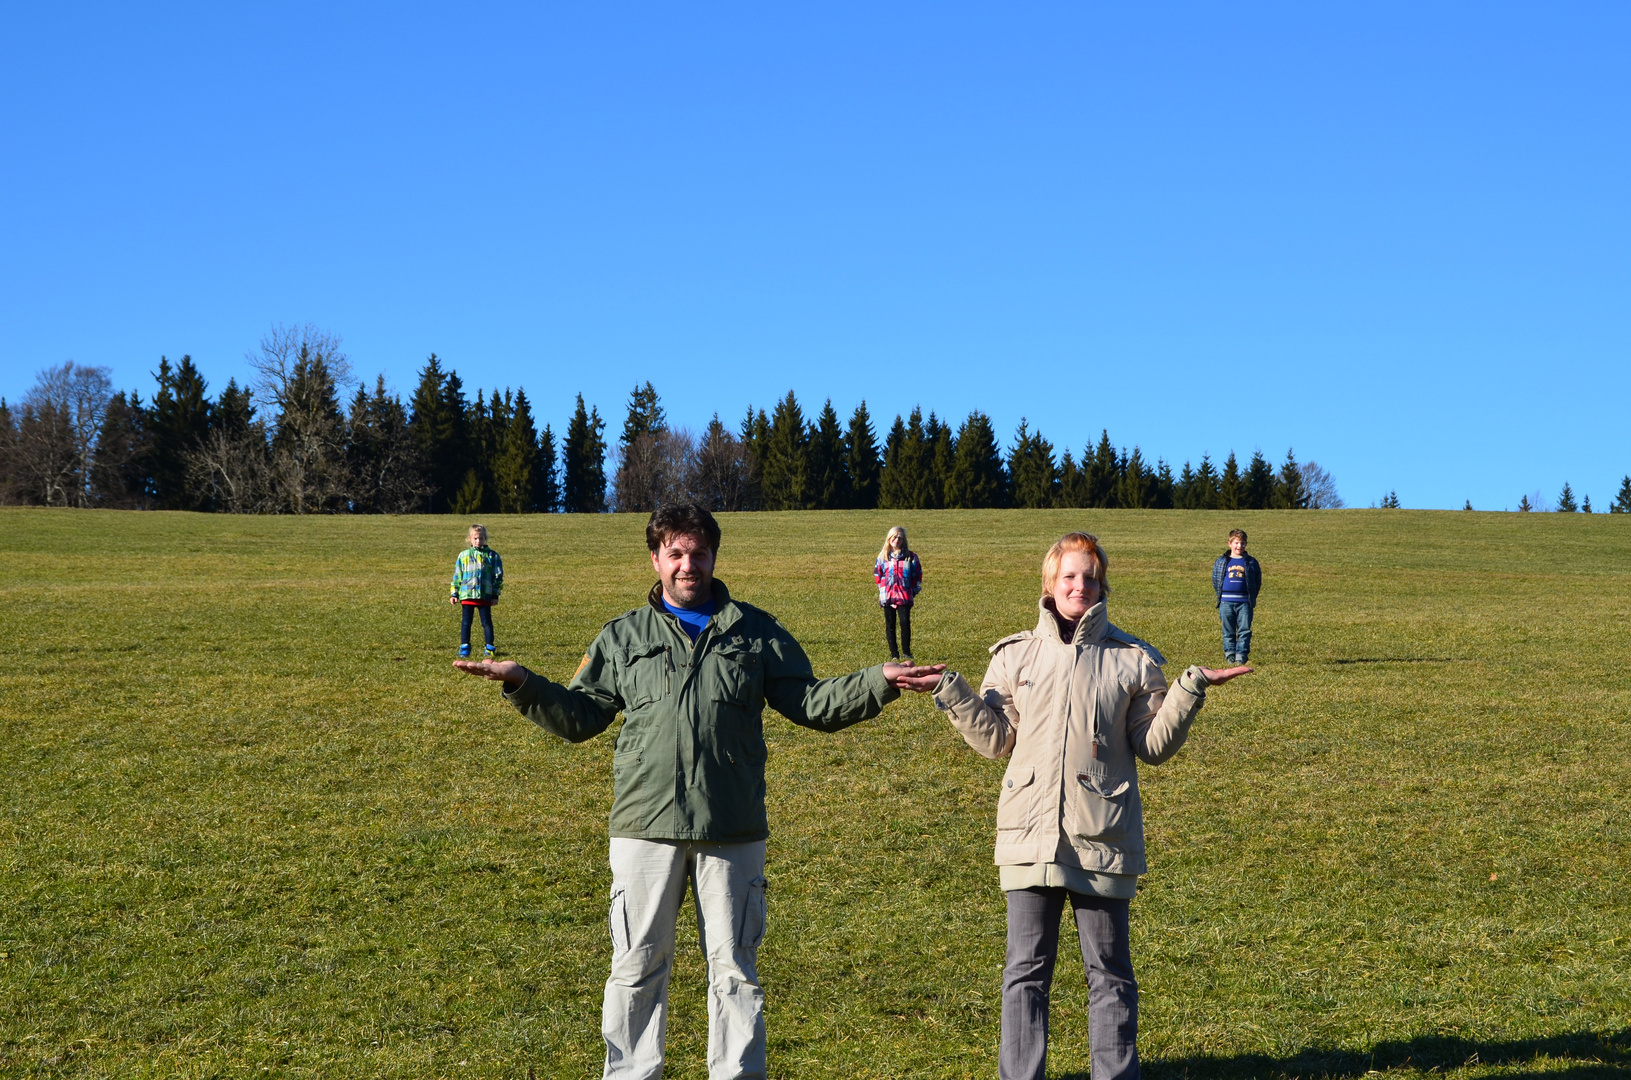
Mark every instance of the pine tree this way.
pixel 977 479
pixel 1135 487
pixel 1072 483
pixel 1032 476
pixel 861 446
pixel 1258 491
pixel 905 466
pixel 786 467
pixel 1231 489
pixel 546 481
pixel 1565 500
pixel 1468 506
pixel 1390 501
pixel 515 469
pixel 1207 493
pixel 645 416
pixel 177 423
pixel 1102 472
pixel 940 458
pixel 1585 505
pixel 471 498
pixel 1622 502
pixel 380 456
pixel 439 426
pixel 583 486
pixel 308 446
pixel 829 463
pixel 1289 493
pixel 1523 505
pixel 1165 486
pixel 119 473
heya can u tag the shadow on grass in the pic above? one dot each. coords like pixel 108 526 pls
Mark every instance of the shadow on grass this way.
pixel 1395 660
pixel 1583 1055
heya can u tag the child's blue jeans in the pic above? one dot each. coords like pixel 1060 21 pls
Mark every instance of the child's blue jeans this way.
pixel 1237 629
pixel 465 611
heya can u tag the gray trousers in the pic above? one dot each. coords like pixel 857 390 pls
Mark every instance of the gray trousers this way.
pixel 1027 981
pixel 727 883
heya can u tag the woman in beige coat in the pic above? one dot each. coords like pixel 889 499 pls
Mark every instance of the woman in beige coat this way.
pixel 1074 705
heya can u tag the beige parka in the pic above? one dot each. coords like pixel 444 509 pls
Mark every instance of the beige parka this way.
pixel 1074 718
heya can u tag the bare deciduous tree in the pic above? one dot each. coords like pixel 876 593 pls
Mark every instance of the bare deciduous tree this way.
pixel 1321 488
pixel 56 433
pixel 234 469
pixel 654 470
pixel 724 475
pixel 298 368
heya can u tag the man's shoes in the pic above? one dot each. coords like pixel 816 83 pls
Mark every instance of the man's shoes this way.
pixel 464 652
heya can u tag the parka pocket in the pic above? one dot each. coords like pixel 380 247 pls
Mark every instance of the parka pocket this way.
pixel 733 677
pixel 753 916
pixel 1099 808
pixel 1011 804
pixel 644 676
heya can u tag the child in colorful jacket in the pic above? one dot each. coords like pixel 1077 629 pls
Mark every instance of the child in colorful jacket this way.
pixel 899 575
pixel 478 578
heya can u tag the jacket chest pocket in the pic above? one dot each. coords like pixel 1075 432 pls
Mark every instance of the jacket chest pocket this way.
pixel 1098 808
pixel 733 675
pixel 644 677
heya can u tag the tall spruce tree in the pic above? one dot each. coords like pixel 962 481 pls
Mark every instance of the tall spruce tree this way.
pixel 308 443
pixel 178 421
pixel 1622 501
pixel 861 449
pixel 515 469
pixel 1184 488
pixel 645 415
pixel 547 480
pixel 830 487
pixel 1102 472
pixel 439 425
pixel 380 454
pixel 786 466
pixel 1033 478
pixel 1565 500
pixel 1135 487
pixel 1207 487
pixel 119 472
pixel 1231 488
pixel 940 459
pixel 1289 491
pixel 905 465
pixel 1072 483
pixel 1165 485
pixel 1259 485
pixel 583 486
pixel 977 479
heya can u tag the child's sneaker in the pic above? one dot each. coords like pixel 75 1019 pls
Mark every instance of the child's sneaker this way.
pixel 489 653
pixel 464 652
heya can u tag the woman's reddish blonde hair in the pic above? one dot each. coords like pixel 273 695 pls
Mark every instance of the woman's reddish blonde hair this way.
pixel 1076 541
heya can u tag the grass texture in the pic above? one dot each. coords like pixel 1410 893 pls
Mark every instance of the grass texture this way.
pixel 255 825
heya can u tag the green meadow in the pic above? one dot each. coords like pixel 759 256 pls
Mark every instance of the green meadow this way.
pixel 254 824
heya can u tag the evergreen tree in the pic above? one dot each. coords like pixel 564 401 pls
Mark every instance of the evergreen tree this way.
pixel 1207 491
pixel 177 423
pixel 1390 501
pixel 119 473
pixel 1136 487
pixel 786 467
pixel 1468 506
pixel 517 470
pixel 1585 505
pixel 438 423
pixel 308 446
pixel 1102 472
pixel 583 486
pixel 861 448
pixel 1523 505
pixel 977 480
pixel 546 482
pixel 1258 491
pixel 829 463
pixel 1072 483
pixel 939 459
pixel 380 453
pixel 645 416
pixel 1622 501
pixel 894 481
pixel 1165 486
pixel 1289 493
pixel 1231 489
pixel 1565 500
pixel 471 498
pixel 1033 479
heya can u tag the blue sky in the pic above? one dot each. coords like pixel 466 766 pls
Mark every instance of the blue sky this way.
pixel 1396 237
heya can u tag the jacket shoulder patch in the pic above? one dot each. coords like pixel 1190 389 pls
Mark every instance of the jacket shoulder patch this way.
pixel 1115 633
pixel 1009 640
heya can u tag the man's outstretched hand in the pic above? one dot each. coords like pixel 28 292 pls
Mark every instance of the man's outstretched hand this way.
pixel 919 677
pixel 1214 676
pixel 507 672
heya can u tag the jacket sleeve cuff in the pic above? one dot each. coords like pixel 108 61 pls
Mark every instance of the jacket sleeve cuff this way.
pixel 952 691
pixel 513 693
pixel 1194 681
pixel 879 687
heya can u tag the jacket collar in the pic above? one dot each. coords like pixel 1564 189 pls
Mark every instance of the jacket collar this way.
pixel 1089 630
pixel 726 613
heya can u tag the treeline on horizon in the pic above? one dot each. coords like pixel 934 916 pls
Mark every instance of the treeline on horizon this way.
pixel 288 444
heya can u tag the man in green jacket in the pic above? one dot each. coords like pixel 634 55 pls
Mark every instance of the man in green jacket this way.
pixel 691 671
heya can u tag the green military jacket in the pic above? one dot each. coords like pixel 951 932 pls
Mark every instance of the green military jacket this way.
pixel 690 757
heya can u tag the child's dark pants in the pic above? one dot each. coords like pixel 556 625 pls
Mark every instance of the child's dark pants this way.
pixel 466 610
pixel 905 616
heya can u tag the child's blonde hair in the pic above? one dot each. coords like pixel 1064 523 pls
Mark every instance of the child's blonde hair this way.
pixel 883 552
pixel 477 528
pixel 1076 541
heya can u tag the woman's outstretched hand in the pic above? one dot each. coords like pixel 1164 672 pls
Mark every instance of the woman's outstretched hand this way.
pixel 919 677
pixel 505 671
pixel 1214 676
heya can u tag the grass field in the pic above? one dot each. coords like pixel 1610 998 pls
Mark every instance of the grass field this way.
pixel 254 825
